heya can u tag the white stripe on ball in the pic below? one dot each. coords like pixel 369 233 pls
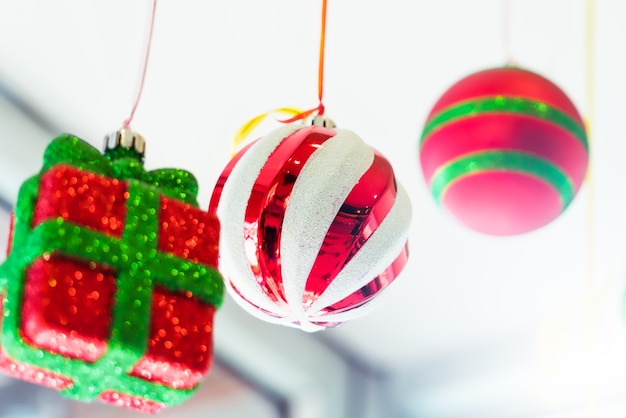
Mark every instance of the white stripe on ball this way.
pixel 320 190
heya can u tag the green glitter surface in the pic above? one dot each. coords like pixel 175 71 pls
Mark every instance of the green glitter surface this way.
pixel 502 104
pixel 135 257
pixel 120 152
pixel 70 150
pixel 501 161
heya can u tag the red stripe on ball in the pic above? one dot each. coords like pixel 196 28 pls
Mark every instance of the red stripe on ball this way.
pixel 365 207
pixel 268 202
pixel 219 187
pixel 370 290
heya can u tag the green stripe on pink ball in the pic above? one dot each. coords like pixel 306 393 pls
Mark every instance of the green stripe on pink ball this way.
pixel 511 132
pixel 502 104
pixel 504 162
pixel 508 81
pixel 502 194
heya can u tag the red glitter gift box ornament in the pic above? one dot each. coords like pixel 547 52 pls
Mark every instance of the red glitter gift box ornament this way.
pixel 110 287
pixel 504 151
pixel 315 226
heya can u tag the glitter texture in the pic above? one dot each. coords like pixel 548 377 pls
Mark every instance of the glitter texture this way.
pixel 180 347
pixel 315 226
pixel 110 287
pixel 61 293
pixel 504 151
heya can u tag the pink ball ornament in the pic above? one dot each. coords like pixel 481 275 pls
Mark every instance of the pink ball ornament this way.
pixel 504 151
pixel 314 226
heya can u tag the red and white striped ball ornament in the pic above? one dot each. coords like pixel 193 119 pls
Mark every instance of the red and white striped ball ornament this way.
pixel 314 226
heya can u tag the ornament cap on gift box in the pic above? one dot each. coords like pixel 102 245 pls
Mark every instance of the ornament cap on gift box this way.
pixel 123 142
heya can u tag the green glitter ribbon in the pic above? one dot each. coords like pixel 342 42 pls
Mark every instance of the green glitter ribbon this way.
pixel 468 165
pixel 502 104
pixel 70 150
pixel 139 265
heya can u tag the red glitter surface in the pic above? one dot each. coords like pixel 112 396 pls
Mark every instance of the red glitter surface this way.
pixel 83 198
pixel 68 307
pixel 29 373
pixel 132 402
pixel 188 232
pixel 181 340
pixel 32 374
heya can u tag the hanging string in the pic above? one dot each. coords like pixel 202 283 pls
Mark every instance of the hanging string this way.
pixel 320 75
pixel 298 114
pixel 592 384
pixel 144 69
pixel 506 30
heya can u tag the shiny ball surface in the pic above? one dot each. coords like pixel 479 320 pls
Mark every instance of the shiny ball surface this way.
pixel 504 151
pixel 315 226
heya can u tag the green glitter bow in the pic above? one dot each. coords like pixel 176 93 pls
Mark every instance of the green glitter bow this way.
pixel 68 149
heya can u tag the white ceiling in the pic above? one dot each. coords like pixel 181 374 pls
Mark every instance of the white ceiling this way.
pixel 475 323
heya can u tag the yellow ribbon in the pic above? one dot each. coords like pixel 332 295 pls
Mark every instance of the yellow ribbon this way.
pixel 249 126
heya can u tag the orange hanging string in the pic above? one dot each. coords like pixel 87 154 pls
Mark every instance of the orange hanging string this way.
pixel 320 75
pixel 299 115
pixel 128 120
pixel 302 115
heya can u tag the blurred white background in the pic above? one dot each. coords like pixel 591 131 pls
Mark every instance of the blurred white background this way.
pixel 476 326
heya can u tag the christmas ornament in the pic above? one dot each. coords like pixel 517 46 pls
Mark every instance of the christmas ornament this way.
pixel 315 226
pixel 504 151
pixel 110 286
